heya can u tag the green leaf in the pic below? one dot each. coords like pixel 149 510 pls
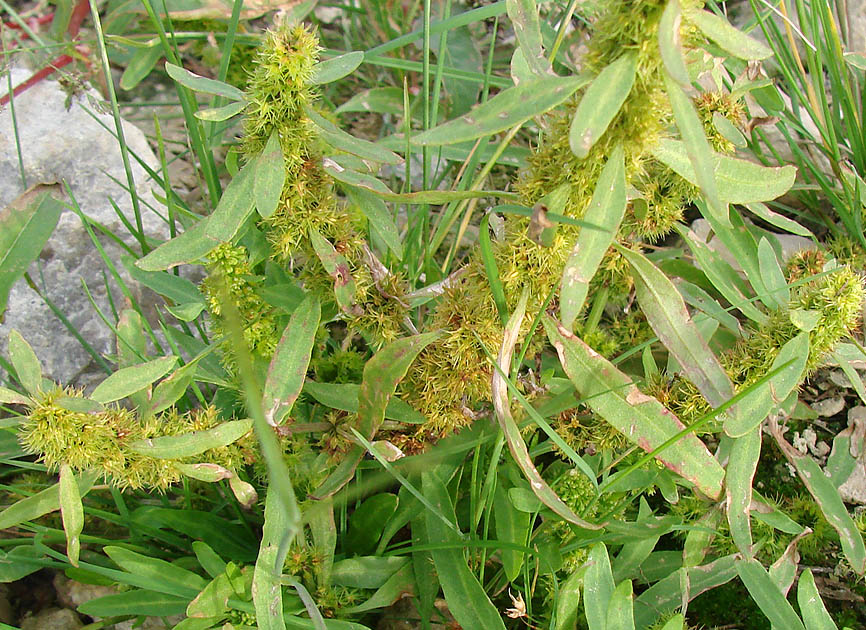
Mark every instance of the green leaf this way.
pixel 777 220
pixel 466 598
pixel 812 608
pixel 739 473
pixel 213 600
pixel 344 396
pixel 19 562
pixel 175 288
pixel 728 38
pixel 601 103
pixel 697 148
pixel 669 43
pixel 739 181
pixel 512 525
pixel 640 418
pixel 142 62
pixel 199 83
pixel 401 584
pixel 10 397
pixel 380 219
pixel 219 114
pixel 367 571
pixel 71 512
pixel 598 587
pixel 336 68
pixel 567 603
pixel 170 390
pixel 338 268
pixel 367 522
pixel 41 503
pixel 767 595
pixel 729 131
pixel 524 19
pixel 757 404
pixel 130 380
pixel 27 366
pixel 269 177
pixel 209 473
pixel 385 100
pixel 266 590
pixel 193 244
pixel 666 312
pixel 235 206
pixel 192 443
pixel 382 373
pixel 511 107
pixel 778 293
pixel 167 578
pixel 288 368
pixel 620 610
pixel 343 141
pixel 209 559
pixel 606 210
pixel 137 602
pixel 25 226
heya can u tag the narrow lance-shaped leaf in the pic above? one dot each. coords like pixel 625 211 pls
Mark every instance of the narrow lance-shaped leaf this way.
pixel 269 176
pixel 728 38
pixel 640 418
pixel 198 83
pixel 266 590
pixel 669 43
pixel 767 595
pixel 465 596
pixel 343 141
pixel 512 526
pixel 380 218
pixel 10 397
pixel 192 443
pixel 598 587
pixel 219 114
pixel 26 365
pixel 527 28
pixel 133 379
pixel 41 503
pixel 234 207
pixel 337 67
pixel 189 246
pixel 71 512
pixel 606 210
pixel 512 106
pixel 812 608
pixel 25 226
pixel 697 147
pixel 513 437
pixel 382 374
pixel 568 601
pixel 740 471
pixel 337 267
pixel 667 314
pixel 620 610
pixel 601 103
pixel 771 272
pixel 288 368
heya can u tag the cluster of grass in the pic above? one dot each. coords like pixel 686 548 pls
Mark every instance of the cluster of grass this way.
pixel 456 338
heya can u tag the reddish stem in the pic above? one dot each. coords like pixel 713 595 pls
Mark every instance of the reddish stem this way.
pixel 78 14
pixel 54 66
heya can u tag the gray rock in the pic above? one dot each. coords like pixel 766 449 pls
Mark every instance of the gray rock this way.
pixel 67 138
pixel 72 594
pixel 52 619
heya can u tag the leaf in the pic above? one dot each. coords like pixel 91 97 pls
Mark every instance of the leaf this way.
pixel 130 380
pixel 71 512
pixel 176 288
pixel 728 38
pixel 465 596
pixel 767 595
pixel 606 210
pixel 669 43
pixel 288 368
pixel 620 610
pixel 385 100
pixel 209 473
pixel 269 177
pixel 511 107
pixel 26 224
pixel 812 608
pixel 219 114
pixel 41 503
pixel 401 584
pixel 511 431
pixel 170 390
pixel 777 220
pixel 266 590
pixel 772 275
pixel 729 131
pixel 142 62
pixel 137 602
pixel 367 571
pixel 344 396
pixel 739 181
pixel 168 578
pixel 757 404
pixel 382 373
pixel 524 19
pixel 640 418
pixel 209 559
pixel 568 601
pixel 193 244
pixel 512 526
pixel 666 312
pixel 27 366
pixel 601 103
pixel 739 473
pixel 336 68
pixel 697 148
pixel 343 141
pixel 192 443
pixel 367 522
pixel 19 562
pixel 598 587
pixel 338 268
pixel 10 397
pixel 380 219
pixel 199 83
pixel 213 600
pixel 235 206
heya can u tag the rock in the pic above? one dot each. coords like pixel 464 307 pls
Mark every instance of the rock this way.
pixel 829 406
pixel 854 488
pixel 62 138
pixel 72 594
pixel 52 619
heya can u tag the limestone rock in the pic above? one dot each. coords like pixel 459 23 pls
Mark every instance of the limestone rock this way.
pixel 52 619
